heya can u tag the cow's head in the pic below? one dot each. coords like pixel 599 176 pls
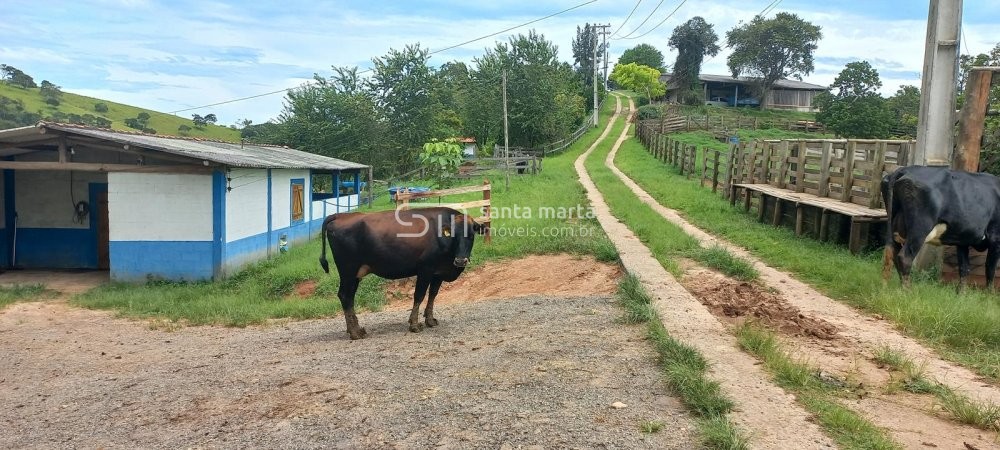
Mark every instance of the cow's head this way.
pixel 461 231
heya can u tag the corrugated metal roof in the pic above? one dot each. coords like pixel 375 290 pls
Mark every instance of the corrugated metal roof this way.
pixel 228 153
pixel 780 84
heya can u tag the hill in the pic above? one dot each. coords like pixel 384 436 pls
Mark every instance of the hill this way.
pixel 24 106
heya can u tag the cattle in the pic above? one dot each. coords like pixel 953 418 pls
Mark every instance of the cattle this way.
pixel 939 206
pixel 433 244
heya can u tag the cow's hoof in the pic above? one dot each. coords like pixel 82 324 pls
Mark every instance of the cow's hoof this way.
pixel 416 327
pixel 431 322
pixel 359 334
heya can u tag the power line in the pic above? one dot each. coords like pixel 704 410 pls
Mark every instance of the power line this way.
pixel 661 22
pixel 627 18
pixel 644 21
pixel 369 70
pixel 767 10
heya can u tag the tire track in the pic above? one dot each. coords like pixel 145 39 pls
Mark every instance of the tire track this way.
pixel 770 414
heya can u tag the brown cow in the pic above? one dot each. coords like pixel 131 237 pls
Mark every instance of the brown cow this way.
pixel 433 244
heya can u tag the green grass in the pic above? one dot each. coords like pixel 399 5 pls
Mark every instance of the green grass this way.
pixel 724 261
pixel 848 429
pixel 685 370
pixel 20 293
pixel 962 409
pixel 747 112
pixel 261 292
pixel 69 103
pixel 962 327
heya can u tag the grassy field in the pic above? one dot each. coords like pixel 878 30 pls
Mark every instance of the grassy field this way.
pixel 70 103
pixel 962 327
pixel 262 291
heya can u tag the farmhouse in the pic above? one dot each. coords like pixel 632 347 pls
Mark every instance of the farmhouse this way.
pixel 723 90
pixel 156 207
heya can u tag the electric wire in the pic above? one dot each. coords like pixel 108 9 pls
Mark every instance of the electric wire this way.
pixel 369 70
pixel 661 22
pixel 643 22
pixel 612 35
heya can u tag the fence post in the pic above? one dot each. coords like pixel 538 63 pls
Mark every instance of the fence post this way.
pixel 715 171
pixel 704 166
pixel 681 159
pixel 487 194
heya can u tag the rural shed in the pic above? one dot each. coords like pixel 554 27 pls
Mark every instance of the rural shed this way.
pixel 156 207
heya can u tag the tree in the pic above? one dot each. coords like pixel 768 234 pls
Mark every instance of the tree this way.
pixel 639 78
pixel 210 118
pixel 643 55
pixel 905 108
pixel 544 95
pixel 693 40
pixel 441 159
pixel 16 77
pixel 853 108
pixel 198 120
pixel 768 50
pixel 584 45
pixel 401 83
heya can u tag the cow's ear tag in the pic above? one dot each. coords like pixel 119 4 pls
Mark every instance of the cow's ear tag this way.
pixel 446 232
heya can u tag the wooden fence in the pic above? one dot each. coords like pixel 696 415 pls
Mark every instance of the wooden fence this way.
pixel 672 123
pixel 404 196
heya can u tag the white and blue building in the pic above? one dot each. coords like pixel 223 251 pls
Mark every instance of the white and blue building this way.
pixel 156 207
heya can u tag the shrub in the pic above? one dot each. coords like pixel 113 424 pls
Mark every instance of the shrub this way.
pixel 649 112
pixel 101 107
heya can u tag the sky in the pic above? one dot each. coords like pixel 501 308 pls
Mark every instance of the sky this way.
pixel 169 56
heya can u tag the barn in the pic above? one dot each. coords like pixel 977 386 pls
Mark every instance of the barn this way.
pixel 156 207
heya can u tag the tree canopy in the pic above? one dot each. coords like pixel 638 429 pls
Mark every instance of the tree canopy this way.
pixel 853 107
pixel 768 50
pixel 385 119
pixel 693 40
pixel 16 77
pixel 644 55
pixel 639 78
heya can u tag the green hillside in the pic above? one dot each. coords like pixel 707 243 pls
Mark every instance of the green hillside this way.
pixel 30 100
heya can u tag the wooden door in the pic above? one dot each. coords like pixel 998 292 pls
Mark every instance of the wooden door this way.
pixel 103 233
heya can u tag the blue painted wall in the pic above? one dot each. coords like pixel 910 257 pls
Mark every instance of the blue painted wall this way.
pixel 139 261
pixel 56 248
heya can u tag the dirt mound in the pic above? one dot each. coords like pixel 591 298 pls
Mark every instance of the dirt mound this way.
pixel 550 275
pixel 742 300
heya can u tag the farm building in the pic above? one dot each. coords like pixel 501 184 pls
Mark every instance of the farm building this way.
pixel 155 207
pixel 722 90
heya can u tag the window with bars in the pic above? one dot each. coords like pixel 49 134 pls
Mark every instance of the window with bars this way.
pixel 298 200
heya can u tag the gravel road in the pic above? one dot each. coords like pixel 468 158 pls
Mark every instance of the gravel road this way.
pixel 531 372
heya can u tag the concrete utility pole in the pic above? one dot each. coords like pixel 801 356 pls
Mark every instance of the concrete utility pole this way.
pixel 938 86
pixel 506 143
pixel 603 32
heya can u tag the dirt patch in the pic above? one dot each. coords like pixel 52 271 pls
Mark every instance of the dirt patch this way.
pixel 740 300
pixel 304 289
pixel 534 371
pixel 560 275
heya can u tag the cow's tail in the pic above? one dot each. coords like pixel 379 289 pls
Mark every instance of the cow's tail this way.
pixel 322 257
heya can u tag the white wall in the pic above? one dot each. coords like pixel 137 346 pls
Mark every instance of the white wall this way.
pixel 246 204
pixel 160 207
pixel 42 197
pixel 281 195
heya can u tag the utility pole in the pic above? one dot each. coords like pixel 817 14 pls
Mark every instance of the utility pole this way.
pixel 938 85
pixel 603 31
pixel 506 149
pixel 594 61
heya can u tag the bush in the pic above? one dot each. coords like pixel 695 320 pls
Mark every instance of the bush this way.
pixel 692 98
pixel 148 130
pixel 641 100
pixel 101 107
pixel 649 112
pixel 183 130
pixel 52 101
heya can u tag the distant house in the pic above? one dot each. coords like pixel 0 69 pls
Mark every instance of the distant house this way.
pixel 148 206
pixel 469 146
pixel 723 90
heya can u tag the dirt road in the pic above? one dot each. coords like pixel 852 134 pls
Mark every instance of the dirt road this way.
pixel 497 374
